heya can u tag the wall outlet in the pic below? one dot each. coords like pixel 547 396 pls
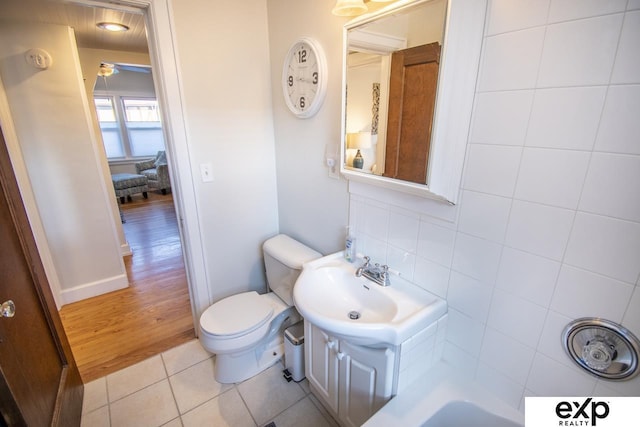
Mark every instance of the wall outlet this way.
pixel 206 170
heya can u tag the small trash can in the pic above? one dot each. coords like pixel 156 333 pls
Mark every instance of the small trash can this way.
pixel 294 351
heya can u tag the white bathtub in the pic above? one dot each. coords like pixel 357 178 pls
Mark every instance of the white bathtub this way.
pixel 441 398
pixel 461 413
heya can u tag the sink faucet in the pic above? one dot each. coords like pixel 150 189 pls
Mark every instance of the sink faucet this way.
pixel 376 273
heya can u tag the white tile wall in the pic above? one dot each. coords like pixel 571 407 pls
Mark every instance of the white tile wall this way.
pixel 420 352
pixel 469 296
pixel 627 65
pixel 613 171
pixel 580 53
pixel 540 229
pixel 510 15
pixel 510 60
pixel 564 172
pixel 580 293
pixel 618 128
pixel 528 276
pixel 548 225
pixel 566 117
pixel 501 117
pixel 564 10
pixel 484 215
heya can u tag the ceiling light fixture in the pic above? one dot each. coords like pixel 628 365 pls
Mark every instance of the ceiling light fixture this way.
pixel 107 70
pixel 112 26
pixel 349 8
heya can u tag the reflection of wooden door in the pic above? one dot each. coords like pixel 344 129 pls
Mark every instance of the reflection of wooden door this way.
pixel 412 95
pixel 39 382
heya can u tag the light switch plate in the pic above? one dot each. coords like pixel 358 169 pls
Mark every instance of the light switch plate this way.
pixel 206 170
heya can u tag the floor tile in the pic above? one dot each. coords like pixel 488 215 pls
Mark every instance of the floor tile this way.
pixel 184 356
pixel 149 407
pixel 227 409
pixel 95 395
pixel 269 393
pixel 196 385
pixel 142 395
pixel 303 413
pixel 176 422
pixel 323 410
pixel 97 418
pixel 134 378
pixel 305 386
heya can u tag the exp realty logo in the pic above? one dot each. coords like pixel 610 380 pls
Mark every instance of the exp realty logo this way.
pixel 581 411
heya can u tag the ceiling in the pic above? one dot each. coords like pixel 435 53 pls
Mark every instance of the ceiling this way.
pixel 83 20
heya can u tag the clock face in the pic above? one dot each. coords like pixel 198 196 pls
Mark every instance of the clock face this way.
pixel 303 78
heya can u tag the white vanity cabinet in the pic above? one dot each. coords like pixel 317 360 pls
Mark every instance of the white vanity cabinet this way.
pixel 352 381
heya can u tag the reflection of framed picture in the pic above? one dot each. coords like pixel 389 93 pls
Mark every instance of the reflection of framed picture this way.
pixel 375 108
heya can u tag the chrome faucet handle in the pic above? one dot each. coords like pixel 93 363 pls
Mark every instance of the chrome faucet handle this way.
pixel 361 269
pixel 384 276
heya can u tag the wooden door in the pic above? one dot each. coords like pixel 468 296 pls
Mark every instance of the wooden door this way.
pixel 39 381
pixel 412 94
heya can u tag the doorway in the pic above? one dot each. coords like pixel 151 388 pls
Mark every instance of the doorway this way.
pixel 154 313
pixel 182 204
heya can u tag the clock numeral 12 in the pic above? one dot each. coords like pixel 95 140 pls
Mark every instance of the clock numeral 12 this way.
pixel 302 55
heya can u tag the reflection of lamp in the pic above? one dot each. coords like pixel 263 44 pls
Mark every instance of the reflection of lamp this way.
pixel 357 141
pixel 349 7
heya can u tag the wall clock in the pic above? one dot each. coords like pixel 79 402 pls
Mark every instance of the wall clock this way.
pixel 304 77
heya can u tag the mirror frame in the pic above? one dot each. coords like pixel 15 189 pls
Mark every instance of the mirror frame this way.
pixel 459 68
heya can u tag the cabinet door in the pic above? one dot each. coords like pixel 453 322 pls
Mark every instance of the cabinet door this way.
pixel 321 364
pixel 366 381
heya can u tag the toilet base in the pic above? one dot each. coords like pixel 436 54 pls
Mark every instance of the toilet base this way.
pixel 237 367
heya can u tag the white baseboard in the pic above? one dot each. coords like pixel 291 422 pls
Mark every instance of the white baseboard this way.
pixel 125 249
pixel 93 289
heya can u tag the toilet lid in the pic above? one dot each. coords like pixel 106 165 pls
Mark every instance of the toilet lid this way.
pixel 236 315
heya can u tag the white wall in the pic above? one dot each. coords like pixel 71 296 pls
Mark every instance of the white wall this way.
pixel 312 207
pixel 548 228
pixel 51 118
pixel 90 60
pixel 225 77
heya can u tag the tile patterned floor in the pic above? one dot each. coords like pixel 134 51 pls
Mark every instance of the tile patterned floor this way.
pixel 177 388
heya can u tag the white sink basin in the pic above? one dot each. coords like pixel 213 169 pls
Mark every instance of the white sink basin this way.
pixel 329 295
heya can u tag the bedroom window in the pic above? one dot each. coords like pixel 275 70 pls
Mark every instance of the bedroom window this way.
pixel 110 128
pixel 142 121
pixel 131 127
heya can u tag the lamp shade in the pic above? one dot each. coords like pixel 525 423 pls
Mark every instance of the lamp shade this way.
pixel 349 7
pixel 359 140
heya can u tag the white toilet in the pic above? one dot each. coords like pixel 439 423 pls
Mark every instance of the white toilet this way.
pixel 245 331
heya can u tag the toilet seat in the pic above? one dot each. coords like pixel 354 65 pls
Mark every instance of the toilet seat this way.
pixel 236 315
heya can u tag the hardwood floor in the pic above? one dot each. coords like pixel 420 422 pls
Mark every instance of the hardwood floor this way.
pixel 112 331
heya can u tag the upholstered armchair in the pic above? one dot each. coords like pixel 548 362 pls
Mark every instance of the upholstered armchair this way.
pixel 156 171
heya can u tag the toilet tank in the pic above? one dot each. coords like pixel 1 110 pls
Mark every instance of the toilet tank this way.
pixel 283 259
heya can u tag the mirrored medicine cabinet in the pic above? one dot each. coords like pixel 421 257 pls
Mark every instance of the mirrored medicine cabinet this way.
pixel 409 75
